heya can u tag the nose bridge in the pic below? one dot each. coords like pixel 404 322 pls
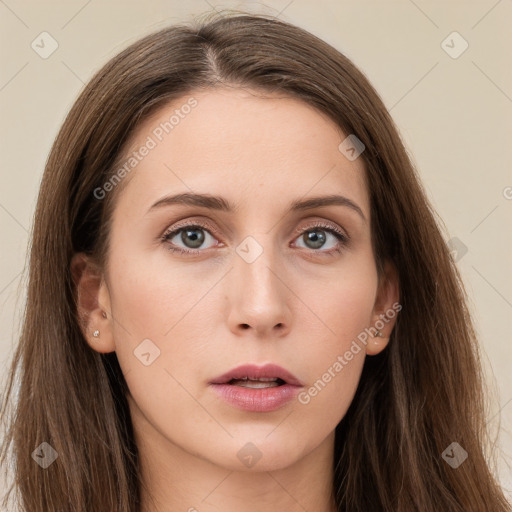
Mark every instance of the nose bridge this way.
pixel 255 264
pixel 258 296
pixel 255 270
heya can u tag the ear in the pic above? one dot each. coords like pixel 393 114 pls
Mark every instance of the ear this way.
pixel 385 310
pixel 93 303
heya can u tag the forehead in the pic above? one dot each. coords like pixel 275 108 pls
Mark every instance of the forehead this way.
pixel 225 140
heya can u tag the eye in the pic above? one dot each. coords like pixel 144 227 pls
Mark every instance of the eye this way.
pixel 191 235
pixel 316 236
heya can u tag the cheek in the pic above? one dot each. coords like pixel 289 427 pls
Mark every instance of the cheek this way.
pixel 157 340
pixel 335 366
pixel 149 298
pixel 334 347
pixel 328 395
pixel 156 308
pixel 338 305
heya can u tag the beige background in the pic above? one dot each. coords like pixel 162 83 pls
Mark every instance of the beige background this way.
pixel 455 115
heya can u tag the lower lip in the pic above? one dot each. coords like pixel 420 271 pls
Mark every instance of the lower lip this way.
pixel 257 400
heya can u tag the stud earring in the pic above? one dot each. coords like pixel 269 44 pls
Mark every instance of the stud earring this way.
pixel 96 333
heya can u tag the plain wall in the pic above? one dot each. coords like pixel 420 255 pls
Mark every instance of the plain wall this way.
pixel 454 113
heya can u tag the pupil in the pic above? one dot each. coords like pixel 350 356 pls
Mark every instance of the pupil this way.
pixel 196 235
pixel 313 236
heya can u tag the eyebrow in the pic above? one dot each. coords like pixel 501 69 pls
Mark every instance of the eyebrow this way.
pixel 221 204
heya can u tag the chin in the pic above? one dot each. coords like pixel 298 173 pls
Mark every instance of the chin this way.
pixel 262 451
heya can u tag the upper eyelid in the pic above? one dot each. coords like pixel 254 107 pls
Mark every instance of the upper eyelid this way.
pixel 212 230
pixel 186 224
pixel 321 223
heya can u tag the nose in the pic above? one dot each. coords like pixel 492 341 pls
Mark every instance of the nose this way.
pixel 259 298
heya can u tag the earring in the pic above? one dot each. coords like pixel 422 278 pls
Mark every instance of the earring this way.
pixel 96 333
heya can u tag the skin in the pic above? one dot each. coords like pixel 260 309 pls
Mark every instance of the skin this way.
pixel 294 305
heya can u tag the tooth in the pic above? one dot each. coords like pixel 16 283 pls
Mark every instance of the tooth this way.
pixel 255 384
pixel 260 379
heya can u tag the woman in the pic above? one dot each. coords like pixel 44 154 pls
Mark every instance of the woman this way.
pixel 239 297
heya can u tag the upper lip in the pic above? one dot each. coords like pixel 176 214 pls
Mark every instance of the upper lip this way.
pixel 253 371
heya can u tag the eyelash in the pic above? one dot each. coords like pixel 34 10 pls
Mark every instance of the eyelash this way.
pixel 342 238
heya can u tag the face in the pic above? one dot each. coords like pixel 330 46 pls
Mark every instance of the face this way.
pixel 195 289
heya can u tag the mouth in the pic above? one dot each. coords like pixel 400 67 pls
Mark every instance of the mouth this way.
pixel 253 376
pixel 257 388
pixel 257 383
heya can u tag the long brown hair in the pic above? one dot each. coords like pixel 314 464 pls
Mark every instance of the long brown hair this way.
pixel 424 392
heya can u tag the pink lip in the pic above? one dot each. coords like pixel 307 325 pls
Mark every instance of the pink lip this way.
pixel 257 400
pixel 255 372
